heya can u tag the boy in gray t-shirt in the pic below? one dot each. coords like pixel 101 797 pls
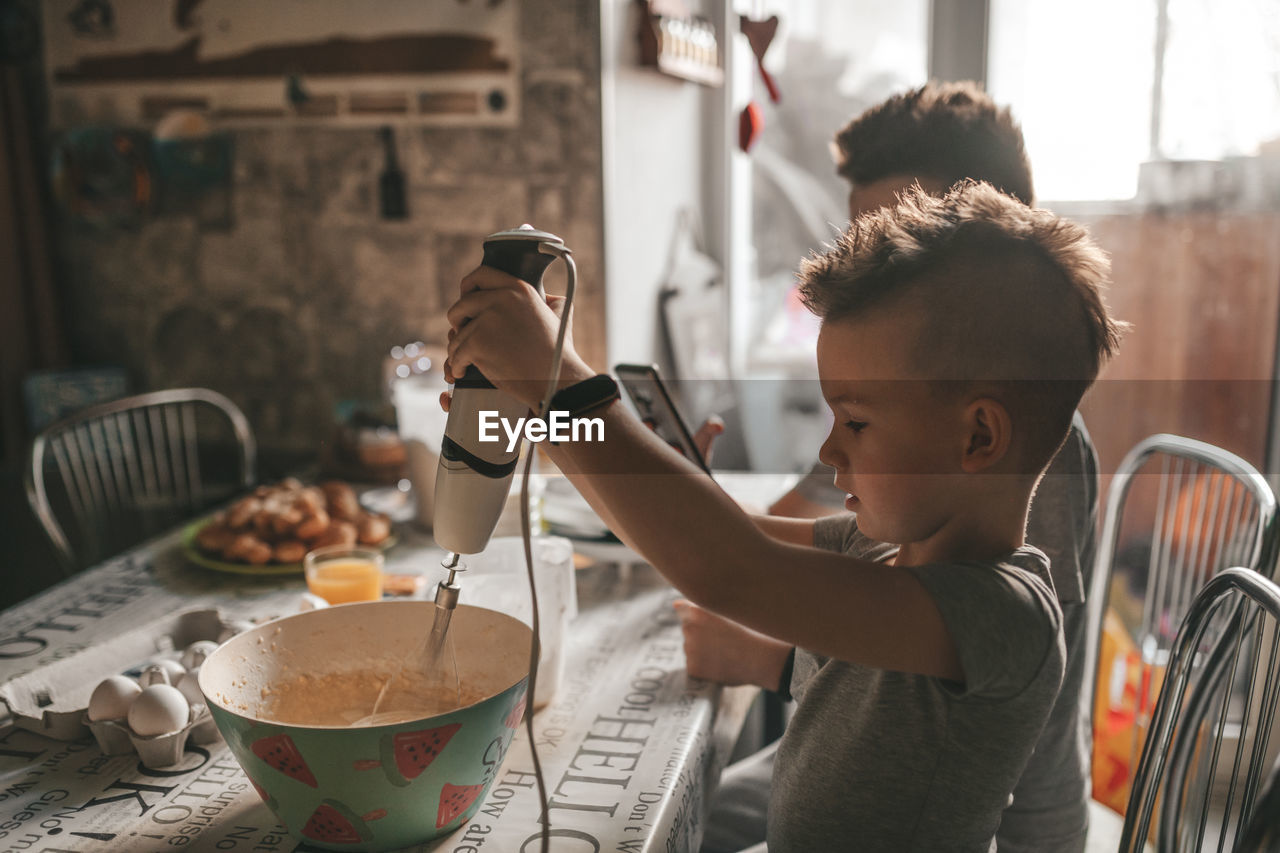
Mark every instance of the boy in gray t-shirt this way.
pixel 963 746
pixel 924 680
pixel 1049 810
pixel 935 135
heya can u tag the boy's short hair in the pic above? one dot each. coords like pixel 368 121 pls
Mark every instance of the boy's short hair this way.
pixel 944 131
pixel 1008 297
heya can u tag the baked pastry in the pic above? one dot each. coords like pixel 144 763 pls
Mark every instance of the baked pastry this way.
pixel 279 523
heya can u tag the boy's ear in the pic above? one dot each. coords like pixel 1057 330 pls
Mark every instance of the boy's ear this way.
pixel 989 435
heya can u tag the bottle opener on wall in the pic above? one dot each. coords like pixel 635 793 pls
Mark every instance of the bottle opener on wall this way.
pixel 759 35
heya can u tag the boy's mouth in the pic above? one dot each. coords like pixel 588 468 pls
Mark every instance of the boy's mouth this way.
pixel 851 502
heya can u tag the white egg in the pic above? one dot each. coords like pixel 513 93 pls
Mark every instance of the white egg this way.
pixel 159 709
pixel 154 674
pixel 197 652
pixel 189 686
pixel 112 697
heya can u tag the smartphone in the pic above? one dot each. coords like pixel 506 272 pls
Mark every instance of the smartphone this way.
pixel 649 397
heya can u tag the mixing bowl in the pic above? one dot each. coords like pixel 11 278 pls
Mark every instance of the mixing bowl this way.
pixel 376 787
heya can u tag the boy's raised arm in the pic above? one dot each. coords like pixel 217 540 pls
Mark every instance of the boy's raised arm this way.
pixel 686 526
pixel 797 531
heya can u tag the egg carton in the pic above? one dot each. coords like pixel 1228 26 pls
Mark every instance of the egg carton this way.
pixel 53 699
pixel 116 738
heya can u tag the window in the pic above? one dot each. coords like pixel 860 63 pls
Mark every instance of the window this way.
pixel 1221 89
pixel 1082 79
pixel 831 60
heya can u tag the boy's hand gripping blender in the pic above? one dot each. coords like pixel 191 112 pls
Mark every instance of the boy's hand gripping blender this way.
pixel 473 478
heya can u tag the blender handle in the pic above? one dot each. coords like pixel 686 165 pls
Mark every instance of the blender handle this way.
pixel 518 253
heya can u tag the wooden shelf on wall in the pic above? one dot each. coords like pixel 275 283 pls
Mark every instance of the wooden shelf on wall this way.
pixel 679 44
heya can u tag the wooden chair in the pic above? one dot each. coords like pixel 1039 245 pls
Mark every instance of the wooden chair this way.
pixel 1208 748
pixel 113 474
pixel 1178 513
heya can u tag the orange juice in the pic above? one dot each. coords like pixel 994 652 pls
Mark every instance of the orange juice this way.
pixel 339 575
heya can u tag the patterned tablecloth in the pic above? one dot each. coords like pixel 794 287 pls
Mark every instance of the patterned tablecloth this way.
pixel 624 693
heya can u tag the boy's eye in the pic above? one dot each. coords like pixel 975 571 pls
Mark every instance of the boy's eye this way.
pixel 856 426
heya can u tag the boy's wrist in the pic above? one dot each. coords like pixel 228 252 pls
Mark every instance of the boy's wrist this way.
pixel 586 396
pixel 573 371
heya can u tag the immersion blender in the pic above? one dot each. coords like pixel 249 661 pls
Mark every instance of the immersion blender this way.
pixel 474 477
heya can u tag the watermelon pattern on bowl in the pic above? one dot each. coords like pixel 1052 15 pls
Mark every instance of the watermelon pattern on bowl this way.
pixel 455 800
pixel 369 788
pixel 334 823
pixel 406 754
pixel 280 752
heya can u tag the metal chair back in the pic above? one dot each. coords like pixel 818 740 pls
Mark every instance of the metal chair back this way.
pixel 113 474
pixel 1207 750
pixel 1178 512
pixel 1262 834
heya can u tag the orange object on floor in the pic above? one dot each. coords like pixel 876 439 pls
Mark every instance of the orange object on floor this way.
pixel 1123 704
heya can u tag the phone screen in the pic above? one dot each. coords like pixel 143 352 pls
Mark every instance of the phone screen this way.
pixel 655 406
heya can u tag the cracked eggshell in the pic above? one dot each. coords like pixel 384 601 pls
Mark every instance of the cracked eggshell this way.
pixel 113 697
pixel 197 652
pixel 155 674
pixel 159 709
pixel 172 667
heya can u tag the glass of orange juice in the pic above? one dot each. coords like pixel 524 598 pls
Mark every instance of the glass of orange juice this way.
pixel 343 573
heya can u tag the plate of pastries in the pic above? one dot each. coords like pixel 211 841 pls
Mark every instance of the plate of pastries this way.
pixel 270 530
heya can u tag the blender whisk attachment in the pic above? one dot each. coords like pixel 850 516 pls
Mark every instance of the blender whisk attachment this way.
pixel 446 600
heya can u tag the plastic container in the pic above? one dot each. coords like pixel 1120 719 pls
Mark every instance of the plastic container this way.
pixel 421 423
pixel 497 579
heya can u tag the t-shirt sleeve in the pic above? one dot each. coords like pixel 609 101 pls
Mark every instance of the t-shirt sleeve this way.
pixel 840 533
pixel 834 532
pixel 1005 623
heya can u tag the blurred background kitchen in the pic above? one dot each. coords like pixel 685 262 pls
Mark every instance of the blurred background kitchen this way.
pixel 276 201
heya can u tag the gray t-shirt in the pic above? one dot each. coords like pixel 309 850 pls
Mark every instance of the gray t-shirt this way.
pixel 881 760
pixel 1049 813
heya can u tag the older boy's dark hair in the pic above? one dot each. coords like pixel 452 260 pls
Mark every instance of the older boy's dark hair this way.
pixel 944 131
pixel 1007 297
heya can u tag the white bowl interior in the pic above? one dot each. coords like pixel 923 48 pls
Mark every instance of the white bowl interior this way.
pixel 491 648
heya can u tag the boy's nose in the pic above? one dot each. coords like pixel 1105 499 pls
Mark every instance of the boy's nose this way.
pixel 827 454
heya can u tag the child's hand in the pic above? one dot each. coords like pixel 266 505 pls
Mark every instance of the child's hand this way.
pixel 705 436
pixel 502 326
pixel 723 651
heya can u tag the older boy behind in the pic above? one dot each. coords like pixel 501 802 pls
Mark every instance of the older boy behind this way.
pixel 924 680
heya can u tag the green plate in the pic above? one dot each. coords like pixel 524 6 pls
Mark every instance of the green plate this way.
pixel 194 555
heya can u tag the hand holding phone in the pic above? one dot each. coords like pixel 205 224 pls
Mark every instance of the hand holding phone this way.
pixel 655 406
